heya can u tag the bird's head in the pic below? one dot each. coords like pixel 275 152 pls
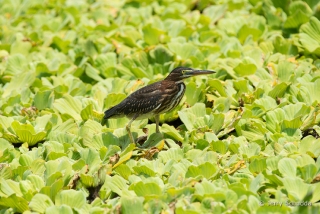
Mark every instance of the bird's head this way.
pixel 180 73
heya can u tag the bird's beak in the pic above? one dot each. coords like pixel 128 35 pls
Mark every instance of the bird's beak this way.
pixel 190 73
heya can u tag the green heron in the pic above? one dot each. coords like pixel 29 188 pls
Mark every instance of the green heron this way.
pixel 154 99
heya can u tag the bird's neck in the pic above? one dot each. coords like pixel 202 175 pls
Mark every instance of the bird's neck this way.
pixel 179 82
pixel 181 86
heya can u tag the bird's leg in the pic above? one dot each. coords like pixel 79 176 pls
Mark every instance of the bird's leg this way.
pixel 128 127
pixel 156 118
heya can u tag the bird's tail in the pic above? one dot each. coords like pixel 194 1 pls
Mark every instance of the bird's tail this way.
pixel 109 113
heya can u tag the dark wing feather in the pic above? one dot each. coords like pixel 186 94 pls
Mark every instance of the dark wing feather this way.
pixel 144 100
pixel 150 98
pixel 110 112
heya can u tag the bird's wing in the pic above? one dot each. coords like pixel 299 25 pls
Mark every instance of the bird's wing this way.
pixel 157 98
pixel 151 98
pixel 144 100
pixel 140 102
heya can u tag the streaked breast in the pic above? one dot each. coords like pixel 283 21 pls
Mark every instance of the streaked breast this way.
pixel 172 100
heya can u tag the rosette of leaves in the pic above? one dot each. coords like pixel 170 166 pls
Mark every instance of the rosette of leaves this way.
pixel 29 132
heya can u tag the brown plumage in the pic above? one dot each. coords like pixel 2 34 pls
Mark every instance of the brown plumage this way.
pixel 154 99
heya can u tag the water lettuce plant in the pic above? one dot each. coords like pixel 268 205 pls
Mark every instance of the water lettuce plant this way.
pixel 245 140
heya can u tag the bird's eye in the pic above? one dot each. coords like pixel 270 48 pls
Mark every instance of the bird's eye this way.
pixel 183 71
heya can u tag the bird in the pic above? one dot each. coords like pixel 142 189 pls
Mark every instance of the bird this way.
pixel 154 99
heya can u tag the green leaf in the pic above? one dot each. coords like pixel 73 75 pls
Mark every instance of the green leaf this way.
pixel 52 190
pixel 59 209
pixel 217 85
pixel 316 193
pixel 273 209
pixel 313 89
pixel 147 189
pixel 296 188
pixel 125 155
pixel 20 46
pixel 59 44
pixel 250 149
pixel 16 202
pixel 93 72
pixel 284 46
pixel 91 158
pixel 18 84
pixel 207 170
pixel 308 172
pixel 72 198
pixel 287 167
pixel 256 183
pixel 246 67
pixel 279 90
pixel 184 51
pixel 215 12
pixel 89 180
pixel 284 70
pixel 171 154
pixel 154 140
pixel 26 133
pixel 106 64
pixel 151 34
pixel 138 64
pixel 123 170
pixel 246 31
pixel 258 165
pixel 310 36
pixel 174 26
pixel 109 139
pixel 87 112
pixel 68 105
pixel 171 131
pixel 16 64
pixel 291 127
pixel 193 117
pixel 219 146
pixel 40 203
pixel 298 17
pixel 160 54
pixel 193 93
pixel 89 131
pixel 36 181
pixel 252 129
pixel 144 170
pixel 131 205
pixel 293 111
pixel 310 145
pixel 43 99
pixel 117 184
